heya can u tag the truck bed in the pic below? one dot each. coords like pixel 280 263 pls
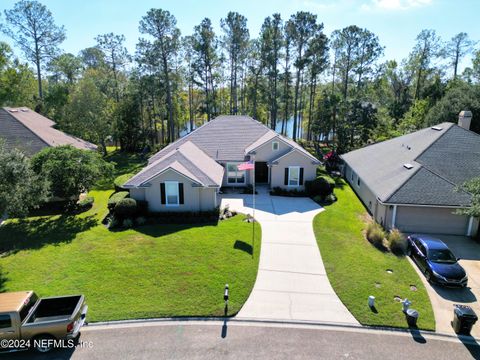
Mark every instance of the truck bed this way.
pixel 54 309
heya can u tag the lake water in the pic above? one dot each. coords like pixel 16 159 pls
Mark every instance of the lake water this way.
pixel 289 129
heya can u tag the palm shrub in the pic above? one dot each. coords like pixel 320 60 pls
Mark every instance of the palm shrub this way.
pixel 375 234
pixel 397 242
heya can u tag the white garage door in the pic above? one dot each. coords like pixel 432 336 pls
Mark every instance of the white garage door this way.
pixel 431 220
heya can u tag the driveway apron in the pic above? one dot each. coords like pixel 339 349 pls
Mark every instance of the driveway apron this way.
pixel 291 283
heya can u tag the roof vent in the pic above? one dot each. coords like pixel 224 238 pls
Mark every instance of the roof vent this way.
pixel 437 128
pixel 13 110
pixel 24 110
pixel 408 166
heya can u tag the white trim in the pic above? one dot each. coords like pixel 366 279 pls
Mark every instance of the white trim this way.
pixel 166 193
pixel 144 184
pixel 273 145
pixel 394 215
pixel 298 181
pixel 316 161
pixel 470 226
pixel 236 169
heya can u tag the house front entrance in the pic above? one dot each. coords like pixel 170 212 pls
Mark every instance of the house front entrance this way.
pixel 261 172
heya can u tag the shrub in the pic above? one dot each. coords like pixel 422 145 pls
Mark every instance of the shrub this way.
pixel 397 242
pixel 85 203
pixel 142 207
pixel 113 222
pixel 375 234
pixel 249 189
pixel 115 198
pixel 127 223
pixel 278 191
pixel 140 220
pixel 120 180
pixel 320 186
pixel 125 207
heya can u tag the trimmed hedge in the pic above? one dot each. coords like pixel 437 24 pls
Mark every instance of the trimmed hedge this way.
pixel 278 191
pixel 115 198
pixel 126 207
pixel 120 180
pixel 321 186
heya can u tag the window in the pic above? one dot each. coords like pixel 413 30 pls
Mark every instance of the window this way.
pixel 275 146
pixel 358 181
pixel 351 176
pixel 293 175
pixel 171 193
pixel 28 306
pixel 235 176
pixel 5 322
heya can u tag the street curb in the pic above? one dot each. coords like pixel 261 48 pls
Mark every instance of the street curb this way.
pixel 278 323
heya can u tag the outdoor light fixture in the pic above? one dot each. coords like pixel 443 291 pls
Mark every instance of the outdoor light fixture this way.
pixel 406 304
pixel 225 294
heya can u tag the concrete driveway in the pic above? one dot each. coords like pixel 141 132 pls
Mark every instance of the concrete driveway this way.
pixel 291 283
pixel 443 299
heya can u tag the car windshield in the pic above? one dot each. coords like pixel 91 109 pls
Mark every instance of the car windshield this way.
pixel 441 256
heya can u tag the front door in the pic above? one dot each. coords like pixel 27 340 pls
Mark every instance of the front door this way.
pixel 261 172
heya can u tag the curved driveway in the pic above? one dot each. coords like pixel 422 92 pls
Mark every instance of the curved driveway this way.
pixel 291 282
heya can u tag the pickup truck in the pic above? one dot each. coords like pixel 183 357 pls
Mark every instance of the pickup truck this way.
pixel 42 324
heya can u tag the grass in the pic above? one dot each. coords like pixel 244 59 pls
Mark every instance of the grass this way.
pixel 356 269
pixel 150 271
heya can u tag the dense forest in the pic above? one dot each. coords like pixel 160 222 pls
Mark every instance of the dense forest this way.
pixel 291 76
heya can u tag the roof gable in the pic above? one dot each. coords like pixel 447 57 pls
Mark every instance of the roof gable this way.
pixel 186 159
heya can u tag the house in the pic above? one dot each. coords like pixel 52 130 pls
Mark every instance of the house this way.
pixel 187 174
pixel 30 132
pixel 411 182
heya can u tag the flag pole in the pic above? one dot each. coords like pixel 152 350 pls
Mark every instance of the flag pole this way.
pixel 253 248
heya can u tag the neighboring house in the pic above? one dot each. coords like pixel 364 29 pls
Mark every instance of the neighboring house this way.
pixel 187 174
pixel 30 132
pixel 411 182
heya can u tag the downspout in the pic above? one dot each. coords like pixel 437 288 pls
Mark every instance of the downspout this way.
pixel 394 216
pixel 470 226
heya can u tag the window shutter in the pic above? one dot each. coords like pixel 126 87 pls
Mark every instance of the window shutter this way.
pixel 301 176
pixel 162 193
pixel 286 176
pixel 180 194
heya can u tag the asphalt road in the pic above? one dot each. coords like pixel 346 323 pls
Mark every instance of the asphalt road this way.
pixel 213 340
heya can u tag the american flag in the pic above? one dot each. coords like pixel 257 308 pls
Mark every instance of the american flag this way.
pixel 249 165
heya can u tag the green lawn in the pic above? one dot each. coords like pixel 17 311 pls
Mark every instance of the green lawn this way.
pixel 150 271
pixel 356 269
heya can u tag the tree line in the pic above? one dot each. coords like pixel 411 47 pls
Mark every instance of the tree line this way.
pixel 291 76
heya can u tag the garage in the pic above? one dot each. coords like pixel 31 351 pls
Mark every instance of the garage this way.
pixel 416 219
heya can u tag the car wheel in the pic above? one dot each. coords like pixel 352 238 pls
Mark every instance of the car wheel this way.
pixel 43 343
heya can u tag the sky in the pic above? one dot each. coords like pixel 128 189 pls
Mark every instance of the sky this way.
pixel 396 22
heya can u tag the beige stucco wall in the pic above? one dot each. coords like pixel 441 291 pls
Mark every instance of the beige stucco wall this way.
pixel 195 198
pixel 363 192
pixel 265 152
pixel 137 194
pixel 277 172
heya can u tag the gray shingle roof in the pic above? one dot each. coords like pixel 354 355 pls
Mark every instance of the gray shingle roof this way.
pixel 188 160
pixel 31 132
pixel 441 160
pixel 427 188
pixel 456 155
pixel 228 137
